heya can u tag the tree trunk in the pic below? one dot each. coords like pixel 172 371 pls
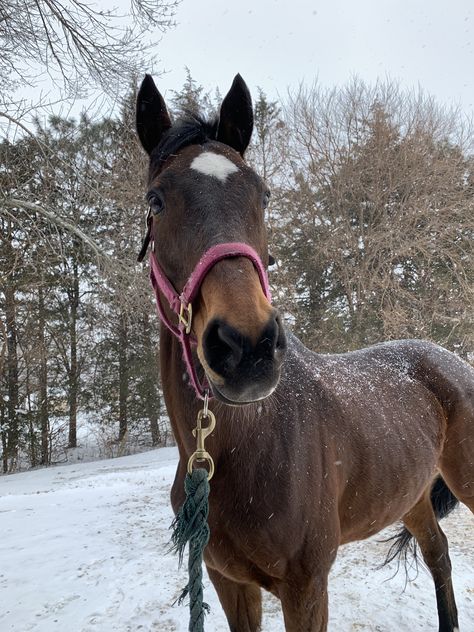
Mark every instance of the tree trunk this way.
pixel 123 376
pixel 43 380
pixel 12 373
pixel 73 367
pixel 4 440
pixel 3 409
pixel 152 399
pixel 29 415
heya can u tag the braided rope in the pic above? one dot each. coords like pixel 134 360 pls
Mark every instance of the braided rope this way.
pixel 190 525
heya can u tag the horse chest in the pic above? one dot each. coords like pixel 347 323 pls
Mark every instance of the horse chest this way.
pixel 243 551
pixel 249 539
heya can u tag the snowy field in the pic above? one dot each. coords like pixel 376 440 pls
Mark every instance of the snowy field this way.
pixel 83 548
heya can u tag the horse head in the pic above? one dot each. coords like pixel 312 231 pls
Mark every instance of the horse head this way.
pixel 201 193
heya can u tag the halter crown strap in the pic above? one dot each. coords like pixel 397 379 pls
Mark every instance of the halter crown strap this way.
pixel 181 304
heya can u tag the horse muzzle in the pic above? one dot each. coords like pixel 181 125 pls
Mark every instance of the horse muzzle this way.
pixel 241 370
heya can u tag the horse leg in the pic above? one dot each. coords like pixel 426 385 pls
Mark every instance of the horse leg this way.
pixel 421 522
pixel 242 603
pixel 305 608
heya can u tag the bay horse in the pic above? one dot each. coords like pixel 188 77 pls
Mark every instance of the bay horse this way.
pixel 311 450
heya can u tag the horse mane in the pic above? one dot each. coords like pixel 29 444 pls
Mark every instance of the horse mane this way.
pixel 191 129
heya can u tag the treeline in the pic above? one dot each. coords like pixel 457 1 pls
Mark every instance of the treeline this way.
pixel 75 307
pixel 371 223
pixel 372 218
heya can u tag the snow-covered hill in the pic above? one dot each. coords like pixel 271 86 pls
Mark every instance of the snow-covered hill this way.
pixel 83 548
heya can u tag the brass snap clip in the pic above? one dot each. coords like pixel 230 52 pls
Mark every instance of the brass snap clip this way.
pixel 201 433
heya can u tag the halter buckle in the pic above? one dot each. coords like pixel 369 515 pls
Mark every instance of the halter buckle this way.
pixel 186 319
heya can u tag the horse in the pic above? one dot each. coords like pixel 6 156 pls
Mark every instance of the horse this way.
pixel 311 450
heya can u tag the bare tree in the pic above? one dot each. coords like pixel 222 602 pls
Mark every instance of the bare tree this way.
pixel 81 47
pixel 377 227
pixel 77 43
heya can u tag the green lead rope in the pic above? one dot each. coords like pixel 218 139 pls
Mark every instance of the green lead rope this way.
pixel 190 525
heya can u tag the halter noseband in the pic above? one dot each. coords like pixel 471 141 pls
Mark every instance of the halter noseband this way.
pixel 182 304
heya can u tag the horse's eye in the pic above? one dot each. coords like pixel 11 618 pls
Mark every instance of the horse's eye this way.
pixel 266 198
pixel 155 202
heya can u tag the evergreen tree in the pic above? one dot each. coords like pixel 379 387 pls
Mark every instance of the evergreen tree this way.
pixel 192 98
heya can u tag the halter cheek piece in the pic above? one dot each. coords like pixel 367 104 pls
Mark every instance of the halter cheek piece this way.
pixel 182 304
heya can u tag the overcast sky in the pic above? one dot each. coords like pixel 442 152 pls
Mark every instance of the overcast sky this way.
pixel 278 43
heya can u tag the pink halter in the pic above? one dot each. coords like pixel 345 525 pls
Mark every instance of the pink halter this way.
pixel 181 304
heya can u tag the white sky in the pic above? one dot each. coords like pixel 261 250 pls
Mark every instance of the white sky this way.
pixel 277 43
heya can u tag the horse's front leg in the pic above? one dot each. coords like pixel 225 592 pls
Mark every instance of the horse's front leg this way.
pixel 305 604
pixel 242 603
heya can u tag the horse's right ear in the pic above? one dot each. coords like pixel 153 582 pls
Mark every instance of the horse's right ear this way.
pixel 152 116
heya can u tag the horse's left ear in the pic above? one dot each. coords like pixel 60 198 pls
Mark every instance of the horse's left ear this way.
pixel 236 117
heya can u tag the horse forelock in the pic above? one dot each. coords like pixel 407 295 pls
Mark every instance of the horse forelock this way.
pixel 192 129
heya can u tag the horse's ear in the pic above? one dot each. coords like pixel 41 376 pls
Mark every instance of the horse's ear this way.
pixel 236 117
pixel 152 116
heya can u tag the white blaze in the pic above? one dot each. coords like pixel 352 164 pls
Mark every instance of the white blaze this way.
pixel 214 165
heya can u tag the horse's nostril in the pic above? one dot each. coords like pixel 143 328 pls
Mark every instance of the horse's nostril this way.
pixel 231 338
pixel 233 356
pixel 223 347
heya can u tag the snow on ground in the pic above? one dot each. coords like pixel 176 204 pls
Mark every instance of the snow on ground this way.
pixel 83 548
